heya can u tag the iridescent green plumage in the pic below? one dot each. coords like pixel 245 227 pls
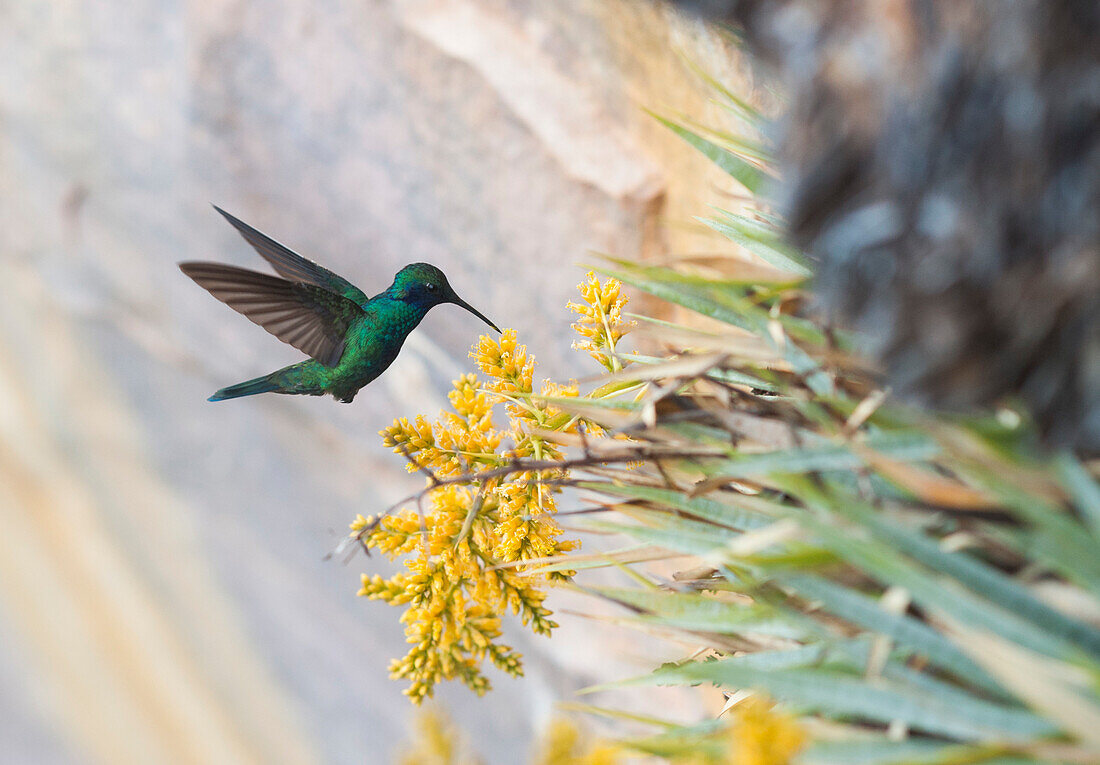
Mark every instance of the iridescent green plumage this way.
pixel 350 338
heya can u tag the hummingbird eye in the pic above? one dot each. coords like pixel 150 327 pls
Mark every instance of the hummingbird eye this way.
pixel 431 287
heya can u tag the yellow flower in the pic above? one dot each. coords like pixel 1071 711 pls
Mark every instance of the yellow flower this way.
pixel 437 742
pixel 601 324
pixel 762 736
pixel 510 371
pixel 455 443
pixel 413 437
pixel 559 742
pixel 451 544
pixel 553 413
pixel 471 404
pixel 563 745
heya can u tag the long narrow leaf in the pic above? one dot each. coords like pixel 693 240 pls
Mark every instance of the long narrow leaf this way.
pixel 905 630
pixel 840 695
pixel 700 507
pixel 975 575
pixel 747 174
pixel 941 594
pixel 768 249
pixel 708 614
pixel 1084 490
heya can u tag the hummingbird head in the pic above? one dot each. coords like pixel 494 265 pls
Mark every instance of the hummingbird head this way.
pixel 425 286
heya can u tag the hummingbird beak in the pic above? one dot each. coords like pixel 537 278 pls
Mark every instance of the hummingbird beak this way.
pixel 459 301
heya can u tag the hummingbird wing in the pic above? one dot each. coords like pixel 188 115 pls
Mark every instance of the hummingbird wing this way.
pixel 292 265
pixel 311 318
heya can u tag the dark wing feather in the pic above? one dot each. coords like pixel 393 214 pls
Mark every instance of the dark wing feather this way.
pixel 292 265
pixel 312 319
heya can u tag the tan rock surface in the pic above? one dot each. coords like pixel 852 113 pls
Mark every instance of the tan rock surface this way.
pixel 162 590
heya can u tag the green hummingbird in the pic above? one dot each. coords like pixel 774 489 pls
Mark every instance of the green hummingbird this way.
pixel 350 338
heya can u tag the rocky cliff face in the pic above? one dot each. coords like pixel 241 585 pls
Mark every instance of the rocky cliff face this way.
pixel 161 582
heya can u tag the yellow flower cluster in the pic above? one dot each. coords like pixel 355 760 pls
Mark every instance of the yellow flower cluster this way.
pixel 437 743
pixel 511 373
pixel 756 735
pixel 762 736
pixel 564 745
pixel 465 544
pixel 453 593
pixel 601 323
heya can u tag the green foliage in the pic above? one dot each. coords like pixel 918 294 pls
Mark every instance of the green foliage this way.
pixel 919 588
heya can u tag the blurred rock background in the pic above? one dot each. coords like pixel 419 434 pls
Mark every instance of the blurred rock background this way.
pixel 941 161
pixel 163 596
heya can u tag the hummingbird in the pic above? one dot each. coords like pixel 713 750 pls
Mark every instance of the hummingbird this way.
pixel 350 338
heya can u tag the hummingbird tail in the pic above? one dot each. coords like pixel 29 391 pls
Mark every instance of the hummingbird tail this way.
pixel 296 379
pixel 248 388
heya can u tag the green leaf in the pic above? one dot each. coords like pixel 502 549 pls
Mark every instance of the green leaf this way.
pixel 760 241
pixel 700 613
pixel 697 741
pixel 1072 555
pixel 698 299
pixel 615 714
pixel 739 106
pixel 828 456
pixel 1062 541
pixel 699 507
pixel 735 377
pixel 747 174
pixel 682 540
pixel 672 522
pixel 882 751
pixel 977 576
pixel 1011 610
pixel 756 151
pixel 840 695
pixel 1084 490
pixel 842 654
pixel 859 609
